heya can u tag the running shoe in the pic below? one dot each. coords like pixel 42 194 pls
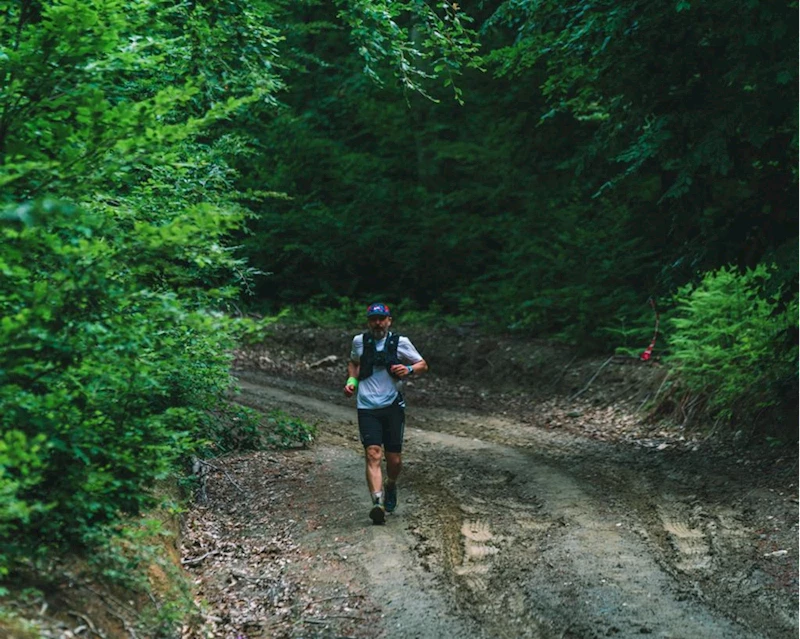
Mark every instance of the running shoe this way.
pixel 377 514
pixel 390 497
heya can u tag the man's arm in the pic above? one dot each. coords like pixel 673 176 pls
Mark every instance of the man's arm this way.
pixel 413 364
pixel 419 367
pixel 404 370
pixel 353 369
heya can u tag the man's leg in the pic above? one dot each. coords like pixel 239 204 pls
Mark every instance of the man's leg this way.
pixel 393 445
pixel 373 455
pixel 394 464
pixel 370 429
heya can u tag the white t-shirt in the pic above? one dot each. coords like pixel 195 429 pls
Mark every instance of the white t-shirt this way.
pixel 380 389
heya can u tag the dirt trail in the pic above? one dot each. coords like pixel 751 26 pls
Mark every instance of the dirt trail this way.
pixel 503 530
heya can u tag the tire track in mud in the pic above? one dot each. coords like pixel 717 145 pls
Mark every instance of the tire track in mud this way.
pixel 689 543
pixel 519 546
pixel 545 561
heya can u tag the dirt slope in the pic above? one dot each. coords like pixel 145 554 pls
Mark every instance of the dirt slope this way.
pixel 532 505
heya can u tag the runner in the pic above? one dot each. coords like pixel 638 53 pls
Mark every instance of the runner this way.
pixel 379 362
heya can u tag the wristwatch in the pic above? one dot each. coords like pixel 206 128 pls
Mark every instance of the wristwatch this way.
pixel 410 370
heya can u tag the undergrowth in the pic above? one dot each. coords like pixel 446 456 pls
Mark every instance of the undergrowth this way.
pixel 733 350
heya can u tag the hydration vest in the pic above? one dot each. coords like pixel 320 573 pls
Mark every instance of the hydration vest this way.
pixel 387 357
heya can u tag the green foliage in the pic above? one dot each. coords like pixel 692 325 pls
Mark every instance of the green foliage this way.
pixel 118 265
pixel 609 159
pixel 536 287
pixel 285 431
pixel 13 625
pixel 417 41
pixel 322 312
pixel 121 554
pixel 86 97
pixel 630 338
pixel 251 330
pixel 20 471
pixel 109 382
pixel 128 556
pixel 733 343
pixel 408 313
pixel 698 99
pixel 230 427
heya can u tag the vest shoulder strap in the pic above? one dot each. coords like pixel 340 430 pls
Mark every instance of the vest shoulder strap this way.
pixel 367 341
pixel 392 343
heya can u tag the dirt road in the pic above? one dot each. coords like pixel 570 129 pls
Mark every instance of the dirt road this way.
pixel 504 530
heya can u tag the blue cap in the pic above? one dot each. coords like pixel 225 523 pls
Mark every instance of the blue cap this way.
pixel 378 310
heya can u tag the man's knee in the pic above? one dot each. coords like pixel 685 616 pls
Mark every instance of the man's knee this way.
pixel 374 454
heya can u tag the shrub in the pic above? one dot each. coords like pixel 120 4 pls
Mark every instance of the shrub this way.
pixel 20 471
pixel 231 427
pixel 138 558
pixel 106 383
pixel 285 431
pixel 733 343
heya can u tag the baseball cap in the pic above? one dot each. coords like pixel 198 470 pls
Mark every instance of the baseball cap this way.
pixel 381 310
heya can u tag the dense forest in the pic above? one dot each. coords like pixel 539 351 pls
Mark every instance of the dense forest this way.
pixel 173 168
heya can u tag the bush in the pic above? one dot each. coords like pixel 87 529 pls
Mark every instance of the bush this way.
pixel 232 427
pixel 733 344
pixel 138 558
pixel 285 431
pixel 20 470
pixel 106 383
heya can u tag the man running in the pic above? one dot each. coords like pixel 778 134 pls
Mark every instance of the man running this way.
pixel 379 362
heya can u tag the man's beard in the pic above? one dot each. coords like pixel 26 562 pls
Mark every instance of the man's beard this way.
pixel 379 333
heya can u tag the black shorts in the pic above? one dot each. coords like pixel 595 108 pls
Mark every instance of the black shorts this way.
pixel 383 426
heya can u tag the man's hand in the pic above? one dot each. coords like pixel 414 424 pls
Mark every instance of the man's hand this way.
pixel 400 370
pixel 350 386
